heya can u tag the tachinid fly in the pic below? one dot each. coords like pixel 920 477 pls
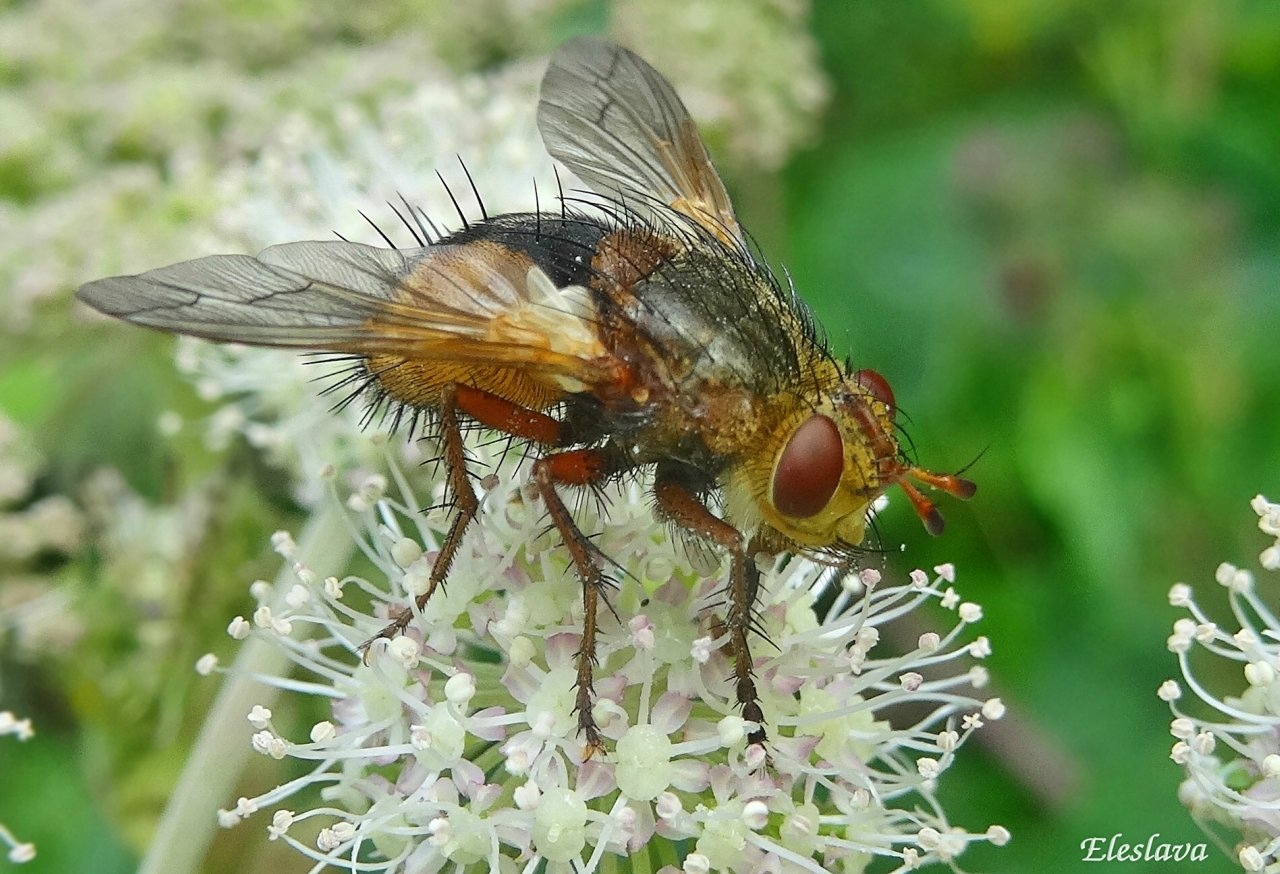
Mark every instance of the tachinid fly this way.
pixel 630 329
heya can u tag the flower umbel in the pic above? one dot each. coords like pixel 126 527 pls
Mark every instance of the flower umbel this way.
pixel 1232 754
pixel 456 744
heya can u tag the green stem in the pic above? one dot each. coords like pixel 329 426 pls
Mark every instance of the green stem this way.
pixel 222 749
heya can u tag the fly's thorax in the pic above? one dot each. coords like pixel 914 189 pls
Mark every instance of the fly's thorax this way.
pixel 814 473
pixel 718 319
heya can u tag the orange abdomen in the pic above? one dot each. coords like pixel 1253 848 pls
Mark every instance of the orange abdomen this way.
pixel 418 383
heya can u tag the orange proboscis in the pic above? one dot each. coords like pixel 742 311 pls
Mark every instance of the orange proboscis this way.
pixel 948 482
pixel 953 485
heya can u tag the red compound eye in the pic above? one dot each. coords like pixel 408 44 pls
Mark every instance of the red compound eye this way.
pixel 809 469
pixel 877 386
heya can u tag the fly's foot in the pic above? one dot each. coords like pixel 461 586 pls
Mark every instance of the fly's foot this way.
pixel 751 712
pixel 593 741
pixel 398 625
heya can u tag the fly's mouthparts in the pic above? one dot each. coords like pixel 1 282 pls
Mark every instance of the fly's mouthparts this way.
pixel 950 483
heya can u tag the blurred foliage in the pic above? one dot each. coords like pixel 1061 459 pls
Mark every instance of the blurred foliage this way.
pixel 1056 228
pixel 1054 225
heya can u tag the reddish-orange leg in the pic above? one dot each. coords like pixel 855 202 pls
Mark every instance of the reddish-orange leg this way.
pixel 580 467
pixel 683 508
pixel 575 467
pixel 497 413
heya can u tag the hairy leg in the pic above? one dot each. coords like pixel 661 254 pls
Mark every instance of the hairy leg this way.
pixel 684 508
pixel 497 413
pixel 582 467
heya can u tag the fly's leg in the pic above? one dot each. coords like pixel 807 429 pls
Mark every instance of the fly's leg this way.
pixel 494 412
pixel 580 467
pixel 683 507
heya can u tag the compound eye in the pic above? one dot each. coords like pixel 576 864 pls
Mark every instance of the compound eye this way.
pixel 878 387
pixel 809 469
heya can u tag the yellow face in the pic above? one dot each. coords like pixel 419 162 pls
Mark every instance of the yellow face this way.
pixel 824 465
pixel 832 462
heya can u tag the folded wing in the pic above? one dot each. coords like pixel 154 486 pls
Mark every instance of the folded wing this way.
pixel 473 302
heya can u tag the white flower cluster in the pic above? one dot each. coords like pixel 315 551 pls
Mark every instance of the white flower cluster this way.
pixel 457 744
pixel 49 524
pixel 1229 745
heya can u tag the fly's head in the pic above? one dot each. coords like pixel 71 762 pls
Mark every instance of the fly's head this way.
pixel 831 458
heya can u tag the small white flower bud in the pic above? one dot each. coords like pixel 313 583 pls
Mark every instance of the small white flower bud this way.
pixel 460 689
pixel 732 729
pixel 405 552
pixel 1259 674
pixel 755 814
pixel 521 652
pixel 281 820
pixel 696 863
pixel 668 806
pixel 526 795
pixel 405 650
pixel 259 716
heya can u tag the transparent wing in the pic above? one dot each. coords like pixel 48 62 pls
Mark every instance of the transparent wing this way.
pixel 472 302
pixel 614 121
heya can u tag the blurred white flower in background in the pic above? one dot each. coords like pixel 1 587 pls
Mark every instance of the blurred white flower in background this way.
pixel 33 529
pixel 1229 745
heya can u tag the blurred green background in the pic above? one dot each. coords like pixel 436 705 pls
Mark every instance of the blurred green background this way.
pixel 1054 225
